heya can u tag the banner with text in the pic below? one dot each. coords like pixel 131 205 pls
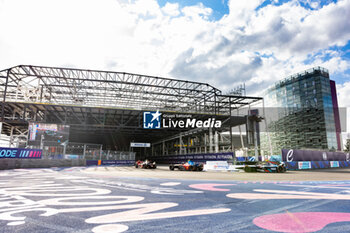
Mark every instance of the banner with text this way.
pixel 312 155
pixel 19 153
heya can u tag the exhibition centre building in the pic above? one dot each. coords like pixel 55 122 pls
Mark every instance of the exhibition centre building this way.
pixel 77 112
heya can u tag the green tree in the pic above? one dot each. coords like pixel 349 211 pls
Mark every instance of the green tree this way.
pixel 347 145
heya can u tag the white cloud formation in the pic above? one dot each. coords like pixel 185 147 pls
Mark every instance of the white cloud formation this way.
pixel 198 11
pixel 171 9
pixel 257 47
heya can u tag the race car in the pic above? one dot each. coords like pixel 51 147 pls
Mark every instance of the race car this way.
pixel 147 164
pixel 265 166
pixel 188 166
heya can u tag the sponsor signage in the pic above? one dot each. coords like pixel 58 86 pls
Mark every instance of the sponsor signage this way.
pixel 304 165
pixel 19 153
pixel 156 120
pixel 140 144
pixel 292 155
pixel 216 165
pixel 334 163
pixel 109 162
pixel 195 157
pixel 319 164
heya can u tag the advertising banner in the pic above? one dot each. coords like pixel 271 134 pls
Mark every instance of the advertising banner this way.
pixel 19 153
pixel 311 155
pixel 216 165
pixel 109 162
pixel 334 163
pixel 319 164
pixel 304 165
pixel 140 144
pixel 117 162
pixel 195 157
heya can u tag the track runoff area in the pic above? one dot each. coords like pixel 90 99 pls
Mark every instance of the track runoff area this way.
pixel 128 199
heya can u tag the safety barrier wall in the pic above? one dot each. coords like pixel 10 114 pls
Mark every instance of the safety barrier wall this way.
pixel 300 165
pixel 312 159
pixel 110 162
pixel 290 155
pixel 193 157
pixel 40 163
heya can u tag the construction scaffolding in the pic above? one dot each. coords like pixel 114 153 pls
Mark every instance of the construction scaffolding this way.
pixel 105 107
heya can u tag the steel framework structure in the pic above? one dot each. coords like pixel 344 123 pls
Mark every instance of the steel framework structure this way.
pixel 103 101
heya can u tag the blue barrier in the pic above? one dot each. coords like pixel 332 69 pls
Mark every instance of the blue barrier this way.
pixel 317 164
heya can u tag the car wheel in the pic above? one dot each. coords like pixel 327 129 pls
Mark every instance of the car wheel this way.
pixel 171 167
pixel 279 169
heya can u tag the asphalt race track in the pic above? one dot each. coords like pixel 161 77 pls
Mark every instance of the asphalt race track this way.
pixel 102 200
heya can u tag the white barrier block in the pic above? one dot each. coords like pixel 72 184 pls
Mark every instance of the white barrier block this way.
pixel 216 166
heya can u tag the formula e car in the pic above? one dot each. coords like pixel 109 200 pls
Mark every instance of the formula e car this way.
pixel 187 166
pixel 264 166
pixel 147 164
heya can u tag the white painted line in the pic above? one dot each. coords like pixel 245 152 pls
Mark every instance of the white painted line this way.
pixel 170 184
pixel 15 223
pixel 110 228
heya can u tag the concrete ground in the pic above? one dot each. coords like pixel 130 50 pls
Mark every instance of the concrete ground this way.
pixel 164 172
pixel 126 199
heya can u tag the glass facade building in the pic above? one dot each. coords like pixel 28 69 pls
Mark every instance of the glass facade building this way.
pixel 305 113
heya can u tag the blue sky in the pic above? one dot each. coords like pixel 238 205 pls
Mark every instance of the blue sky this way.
pixel 219 7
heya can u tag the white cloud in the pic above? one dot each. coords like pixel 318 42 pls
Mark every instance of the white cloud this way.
pixel 197 11
pixel 241 11
pixel 171 9
pixel 282 38
pixel 257 47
